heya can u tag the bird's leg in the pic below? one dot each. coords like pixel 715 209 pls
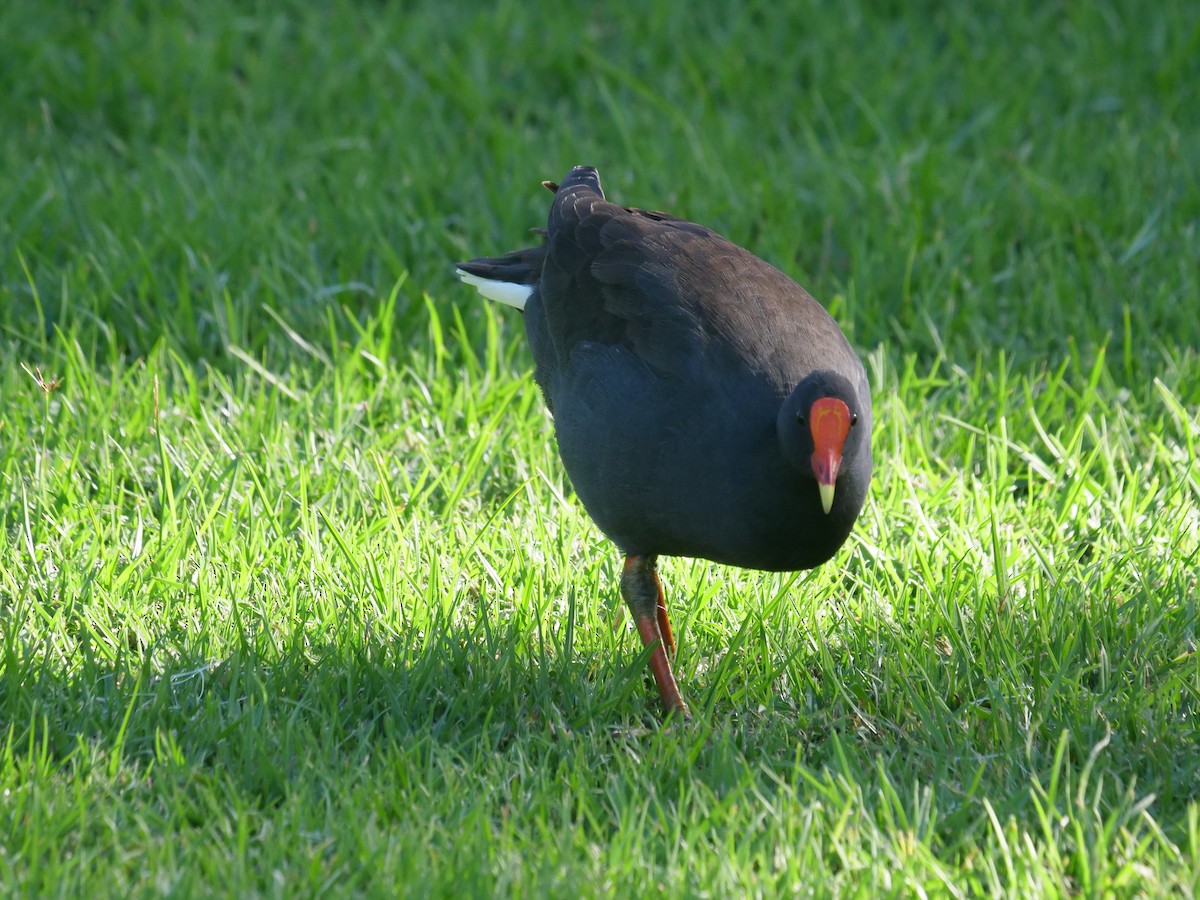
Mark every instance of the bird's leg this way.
pixel 664 623
pixel 643 595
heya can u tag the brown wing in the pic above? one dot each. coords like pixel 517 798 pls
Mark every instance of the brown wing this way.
pixel 682 297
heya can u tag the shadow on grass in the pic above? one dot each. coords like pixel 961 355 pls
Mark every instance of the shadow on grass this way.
pixel 393 724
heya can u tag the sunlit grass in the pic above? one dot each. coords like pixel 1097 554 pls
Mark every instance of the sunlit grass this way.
pixel 296 599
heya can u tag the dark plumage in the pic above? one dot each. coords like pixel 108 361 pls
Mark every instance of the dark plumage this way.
pixel 698 393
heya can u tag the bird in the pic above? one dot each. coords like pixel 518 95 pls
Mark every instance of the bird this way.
pixel 704 404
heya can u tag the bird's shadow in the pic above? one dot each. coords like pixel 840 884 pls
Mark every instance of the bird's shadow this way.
pixel 455 687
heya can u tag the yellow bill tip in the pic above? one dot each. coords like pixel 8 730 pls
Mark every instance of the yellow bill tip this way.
pixel 826 496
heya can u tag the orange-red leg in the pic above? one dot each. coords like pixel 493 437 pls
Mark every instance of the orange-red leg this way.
pixel 644 596
pixel 664 623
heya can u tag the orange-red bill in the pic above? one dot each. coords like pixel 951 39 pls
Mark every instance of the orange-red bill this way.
pixel 829 421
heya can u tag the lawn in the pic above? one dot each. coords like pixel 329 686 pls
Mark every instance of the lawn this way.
pixel 296 599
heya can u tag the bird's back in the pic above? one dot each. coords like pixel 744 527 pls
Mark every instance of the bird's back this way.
pixel 684 300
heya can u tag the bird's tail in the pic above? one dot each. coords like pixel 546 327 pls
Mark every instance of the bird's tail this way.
pixel 510 279
pixel 507 279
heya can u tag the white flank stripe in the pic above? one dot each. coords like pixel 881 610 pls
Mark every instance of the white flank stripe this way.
pixel 505 292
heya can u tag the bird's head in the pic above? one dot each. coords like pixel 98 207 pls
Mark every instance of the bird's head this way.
pixel 822 424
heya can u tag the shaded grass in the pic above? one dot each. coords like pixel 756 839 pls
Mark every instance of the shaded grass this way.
pixel 904 161
pixel 296 599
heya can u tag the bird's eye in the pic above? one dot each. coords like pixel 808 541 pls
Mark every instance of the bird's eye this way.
pixel 800 418
pixel 853 419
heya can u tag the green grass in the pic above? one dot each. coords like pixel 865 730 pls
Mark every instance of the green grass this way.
pixel 295 599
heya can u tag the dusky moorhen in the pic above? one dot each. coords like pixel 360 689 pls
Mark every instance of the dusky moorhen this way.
pixel 705 405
